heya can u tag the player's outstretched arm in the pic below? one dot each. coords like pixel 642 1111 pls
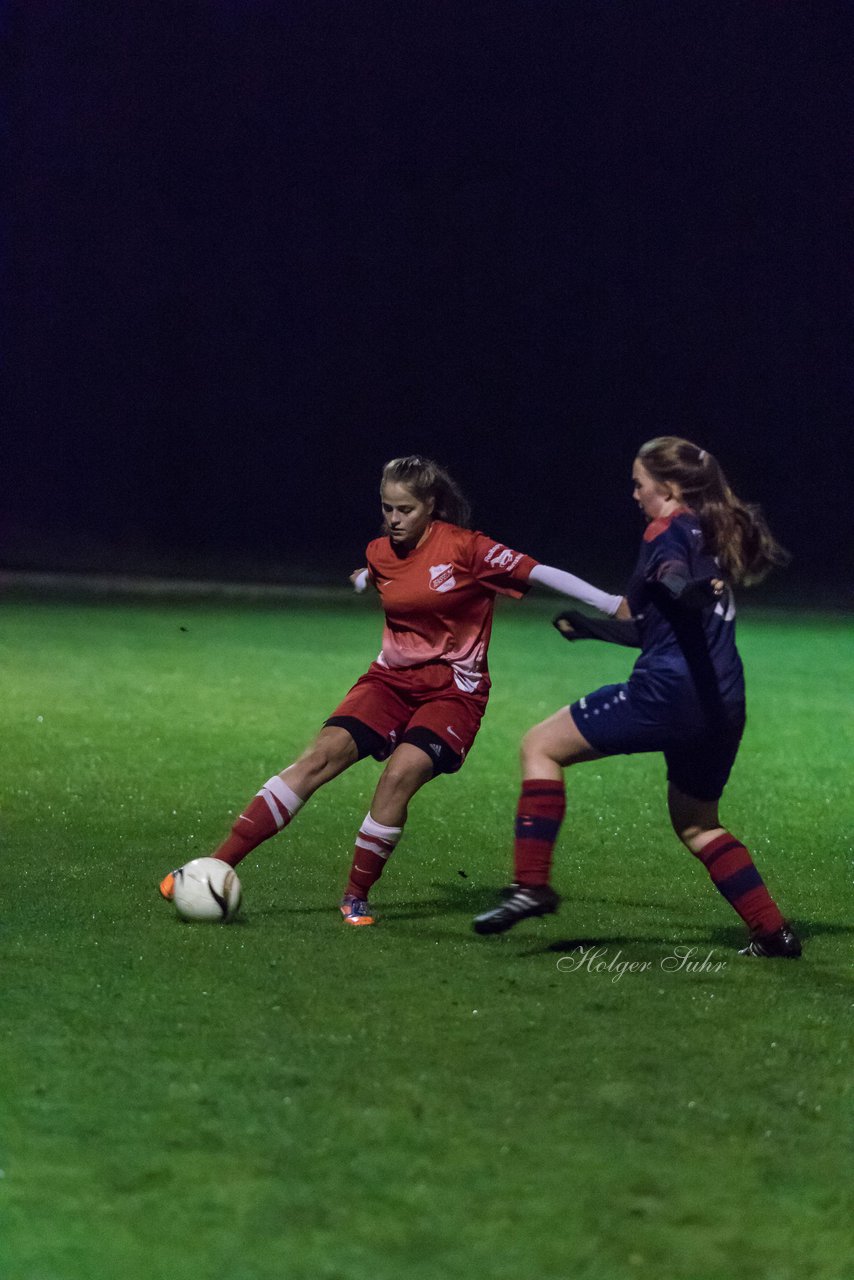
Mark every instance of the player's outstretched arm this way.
pixel 574 625
pixel 567 584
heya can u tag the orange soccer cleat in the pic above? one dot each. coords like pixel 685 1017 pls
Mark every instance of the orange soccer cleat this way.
pixel 356 910
pixel 166 887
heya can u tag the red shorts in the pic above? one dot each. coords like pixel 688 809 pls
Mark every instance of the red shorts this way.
pixel 419 705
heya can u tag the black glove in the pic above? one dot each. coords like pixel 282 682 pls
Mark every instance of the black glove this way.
pixel 574 625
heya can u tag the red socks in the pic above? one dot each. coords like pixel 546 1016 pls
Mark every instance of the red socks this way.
pixel 735 876
pixel 270 810
pixel 374 845
pixel 542 805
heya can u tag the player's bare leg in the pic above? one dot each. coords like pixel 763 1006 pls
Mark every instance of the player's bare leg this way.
pixel 332 751
pixel 733 873
pixel 547 749
pixel 408 769
pixel 553 745
pixel 282 796
pixel 696 822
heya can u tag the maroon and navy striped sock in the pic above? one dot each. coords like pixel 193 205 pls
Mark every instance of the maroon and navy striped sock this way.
pixel 542 805
pixel 734 875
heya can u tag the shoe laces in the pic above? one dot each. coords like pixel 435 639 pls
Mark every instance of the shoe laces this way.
pixel 356 906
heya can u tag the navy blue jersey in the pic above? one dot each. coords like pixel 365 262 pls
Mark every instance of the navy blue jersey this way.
pixel 692 647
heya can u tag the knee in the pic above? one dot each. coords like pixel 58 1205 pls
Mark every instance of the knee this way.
pixel 405 777
pixel 526 746
pixel 532 746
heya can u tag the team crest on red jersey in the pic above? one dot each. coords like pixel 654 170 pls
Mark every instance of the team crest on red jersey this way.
pixel 501 557
pixel 442 577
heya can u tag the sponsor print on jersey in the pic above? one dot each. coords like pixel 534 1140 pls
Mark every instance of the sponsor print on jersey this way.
pixel 442 577
pixel 501 557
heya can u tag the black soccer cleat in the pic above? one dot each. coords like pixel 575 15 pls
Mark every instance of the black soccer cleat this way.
pixel 783 944
pixel 519 903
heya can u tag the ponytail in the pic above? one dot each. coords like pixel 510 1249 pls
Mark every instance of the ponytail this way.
pixel 735 531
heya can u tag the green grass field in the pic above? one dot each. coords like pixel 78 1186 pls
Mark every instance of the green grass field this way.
pixel 288 1097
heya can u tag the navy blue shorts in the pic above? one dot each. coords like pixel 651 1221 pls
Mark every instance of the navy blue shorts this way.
pixel 625 719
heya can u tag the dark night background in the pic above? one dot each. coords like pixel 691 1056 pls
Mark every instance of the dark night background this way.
pixel 255 249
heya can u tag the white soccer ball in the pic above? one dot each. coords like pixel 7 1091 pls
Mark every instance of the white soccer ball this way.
pixel 207 889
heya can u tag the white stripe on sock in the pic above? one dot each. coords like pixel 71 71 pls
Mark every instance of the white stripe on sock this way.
pixel 280 789
pixel 371 847
pixel 273 807
pixel 370 827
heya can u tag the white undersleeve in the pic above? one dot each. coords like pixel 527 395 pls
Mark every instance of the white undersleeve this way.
pixel 567 584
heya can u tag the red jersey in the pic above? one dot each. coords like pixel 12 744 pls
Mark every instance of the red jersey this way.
pixel 439 599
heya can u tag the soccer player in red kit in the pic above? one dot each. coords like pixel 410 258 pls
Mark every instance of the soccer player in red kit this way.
pixel 420 704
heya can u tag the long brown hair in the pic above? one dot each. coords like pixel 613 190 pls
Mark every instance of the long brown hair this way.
pixel 426 479
pixel 735 531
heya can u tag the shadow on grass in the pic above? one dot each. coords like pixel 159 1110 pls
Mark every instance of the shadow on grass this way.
pixel 564 946
pixel 468 900
pixel 454 899
pixel 451 899
pixel 726 938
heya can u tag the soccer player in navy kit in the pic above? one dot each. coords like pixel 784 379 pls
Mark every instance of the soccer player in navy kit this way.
pixel 684 697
